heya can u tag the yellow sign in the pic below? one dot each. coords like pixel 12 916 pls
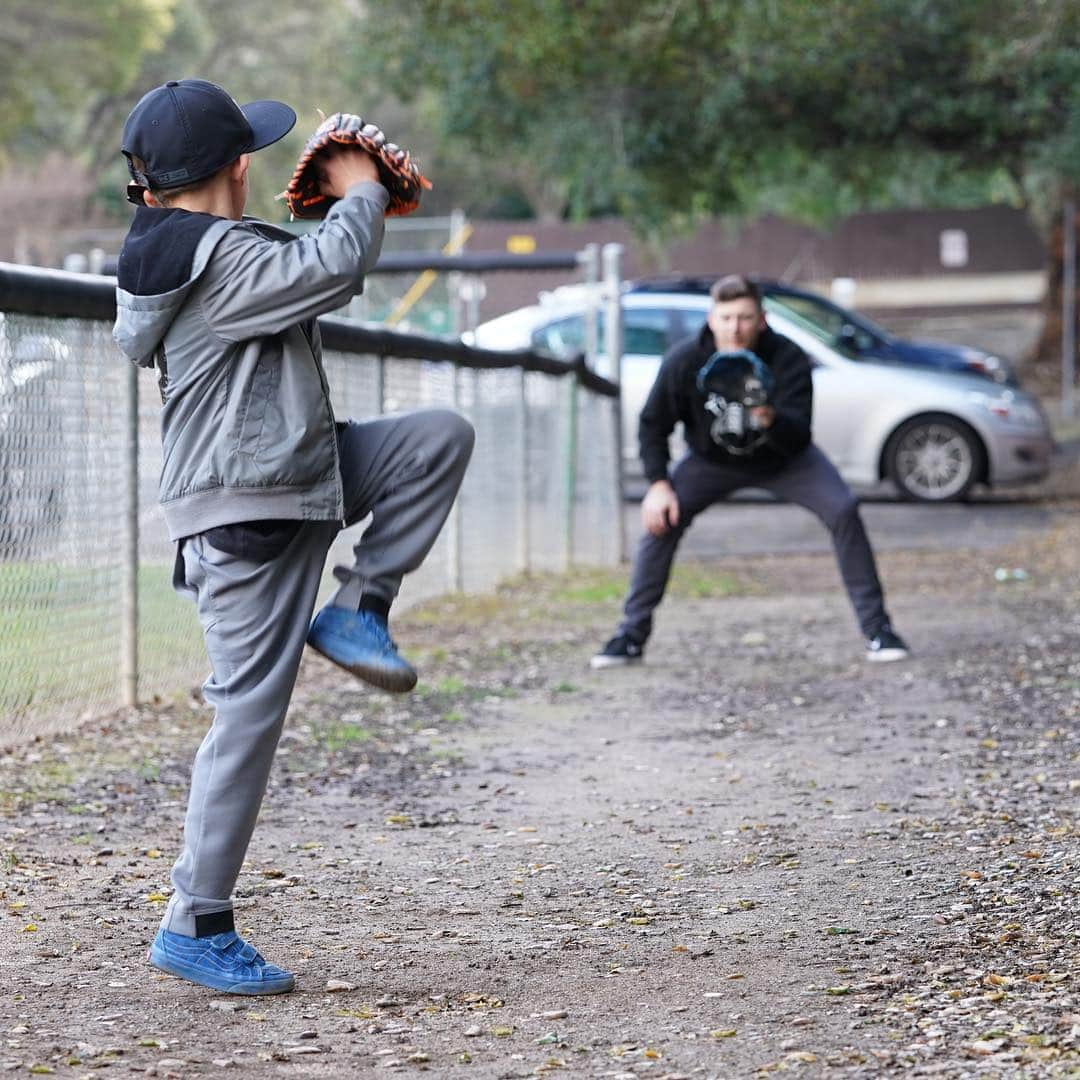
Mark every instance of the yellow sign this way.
pixel 521 244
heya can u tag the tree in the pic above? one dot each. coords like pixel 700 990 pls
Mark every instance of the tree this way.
pixel 72 70
pixel 575 103
pixel 254 49
pixel 53 56
pixel 986 88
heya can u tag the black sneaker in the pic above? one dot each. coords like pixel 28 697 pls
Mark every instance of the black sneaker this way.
pixel 885 646
pixel 618 652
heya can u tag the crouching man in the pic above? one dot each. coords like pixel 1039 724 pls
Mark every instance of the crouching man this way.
pixel 761 442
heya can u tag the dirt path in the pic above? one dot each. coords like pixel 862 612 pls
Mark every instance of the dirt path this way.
pixel 754 854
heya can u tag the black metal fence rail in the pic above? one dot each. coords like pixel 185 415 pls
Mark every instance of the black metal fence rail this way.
pixel 475 262
pixel 62 294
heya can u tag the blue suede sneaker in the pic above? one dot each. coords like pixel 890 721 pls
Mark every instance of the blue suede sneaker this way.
pixel 223 962
pixel 359 642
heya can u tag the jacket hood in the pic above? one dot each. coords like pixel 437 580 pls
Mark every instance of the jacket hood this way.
pixel 163 255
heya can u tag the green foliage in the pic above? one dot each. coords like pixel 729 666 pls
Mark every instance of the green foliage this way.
pixel 53 57
pixel 668 111
pixel 254 49
pixel 968 101
pixel 574 103
pixel 663 111
pixel 69 75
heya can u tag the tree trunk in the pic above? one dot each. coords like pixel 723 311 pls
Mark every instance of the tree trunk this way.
pixel 1044 367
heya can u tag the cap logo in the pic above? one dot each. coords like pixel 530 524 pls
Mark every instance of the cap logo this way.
pixel 177 176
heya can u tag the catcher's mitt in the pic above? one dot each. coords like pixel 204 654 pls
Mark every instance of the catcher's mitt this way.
pixel 398 173
pixel 735 382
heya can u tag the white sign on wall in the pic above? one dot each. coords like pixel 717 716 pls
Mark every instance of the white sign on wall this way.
pixel 953 247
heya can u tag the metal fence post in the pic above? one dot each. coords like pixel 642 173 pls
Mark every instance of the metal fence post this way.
pixel 454 534
pixel 589 261
pixel 454 554
pixel 459 232
pixel 613 327
pixel 456 298
pixel 129 584
pixel 570 473
pixel 470 291
pixel 524 516
pixel 1068 309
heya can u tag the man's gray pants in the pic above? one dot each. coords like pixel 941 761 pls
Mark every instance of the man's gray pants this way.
pixel 405 471
pixel 809 480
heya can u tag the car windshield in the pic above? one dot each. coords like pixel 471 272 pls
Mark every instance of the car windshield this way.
pixel 822 323
pixel 829 324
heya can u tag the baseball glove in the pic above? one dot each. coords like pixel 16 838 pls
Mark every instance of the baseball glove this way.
pixel 398 173
pixel 734 383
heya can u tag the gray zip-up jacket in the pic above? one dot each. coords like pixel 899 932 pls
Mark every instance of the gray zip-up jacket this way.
pixel 227 309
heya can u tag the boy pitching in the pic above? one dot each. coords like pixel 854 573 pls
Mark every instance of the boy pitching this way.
pixel 258 476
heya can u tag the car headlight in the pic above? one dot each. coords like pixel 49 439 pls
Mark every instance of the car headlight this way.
pixel 1007 406
pixel 996 368
pixel 993 367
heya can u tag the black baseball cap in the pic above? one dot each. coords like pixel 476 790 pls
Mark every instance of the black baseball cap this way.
pixel 188 129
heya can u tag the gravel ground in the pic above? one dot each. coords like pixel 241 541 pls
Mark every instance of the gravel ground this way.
pixel 754 854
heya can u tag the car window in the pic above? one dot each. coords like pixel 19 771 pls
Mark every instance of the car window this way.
pixel 824 321
pixel 828 319
pixel 688 322
pixel 812 320
pixel 646 331
pixel 563 337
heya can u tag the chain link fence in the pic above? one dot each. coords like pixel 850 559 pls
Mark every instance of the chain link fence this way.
pixel 541 493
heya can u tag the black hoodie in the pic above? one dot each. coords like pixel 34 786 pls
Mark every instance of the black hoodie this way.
pixel 159 248
pixel 675 397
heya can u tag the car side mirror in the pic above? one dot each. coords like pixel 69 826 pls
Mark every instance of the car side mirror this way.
pixel 848 339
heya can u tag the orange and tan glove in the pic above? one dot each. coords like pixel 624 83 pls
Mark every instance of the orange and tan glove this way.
pixel 398 173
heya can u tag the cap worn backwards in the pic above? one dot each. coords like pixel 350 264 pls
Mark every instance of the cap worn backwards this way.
pixel 188 129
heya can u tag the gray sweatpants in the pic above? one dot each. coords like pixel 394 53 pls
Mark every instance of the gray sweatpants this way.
pixel 809 480
pixel 405 471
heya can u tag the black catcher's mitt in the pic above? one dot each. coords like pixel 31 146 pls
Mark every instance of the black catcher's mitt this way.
pixel 734 382
pixel 398 173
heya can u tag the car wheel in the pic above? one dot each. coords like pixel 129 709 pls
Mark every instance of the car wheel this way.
pixel 934 458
